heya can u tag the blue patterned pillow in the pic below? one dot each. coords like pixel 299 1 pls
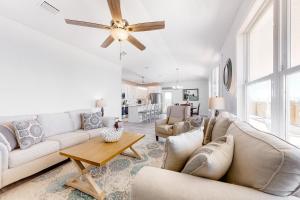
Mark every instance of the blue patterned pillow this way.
pixel 91 120
pixel 28 133
pixel 7 136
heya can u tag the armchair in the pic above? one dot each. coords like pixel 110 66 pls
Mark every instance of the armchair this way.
pixel 175 123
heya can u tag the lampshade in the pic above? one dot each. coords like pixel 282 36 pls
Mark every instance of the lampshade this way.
pixel 100 103
pixel 216 103
pixel 119 34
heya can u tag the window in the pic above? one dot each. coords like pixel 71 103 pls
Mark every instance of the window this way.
pixel 271 97
pixel 293 108
pixel 261 56
pixel 295 33
pixel 214 82
pixel 260 67
pixel 259 105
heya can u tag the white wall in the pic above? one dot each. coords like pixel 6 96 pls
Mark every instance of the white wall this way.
pixel 201 84
pixel 39 74
pixel 230 49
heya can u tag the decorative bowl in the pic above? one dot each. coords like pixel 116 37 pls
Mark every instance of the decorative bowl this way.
pixel 112 134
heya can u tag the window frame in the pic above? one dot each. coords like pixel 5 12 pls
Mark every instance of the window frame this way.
pixel 281 69
pixel 270 77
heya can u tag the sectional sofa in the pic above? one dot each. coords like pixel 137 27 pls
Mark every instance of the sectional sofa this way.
pixel 264 167
pixel 62 130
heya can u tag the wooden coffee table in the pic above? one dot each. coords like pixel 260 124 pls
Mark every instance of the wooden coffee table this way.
pixel 96 153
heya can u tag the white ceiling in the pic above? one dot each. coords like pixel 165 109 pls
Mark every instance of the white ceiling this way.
pixel 194 34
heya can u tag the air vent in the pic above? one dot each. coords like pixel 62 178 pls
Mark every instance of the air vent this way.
pixel 50 8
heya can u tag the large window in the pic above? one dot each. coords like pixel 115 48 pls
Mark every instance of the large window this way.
pixel 259 105
pixel 293 107
pixel 214 82
pixel 272 69
pixel 259 67
pixel 261 45
pixel 292 77
pixel 295 32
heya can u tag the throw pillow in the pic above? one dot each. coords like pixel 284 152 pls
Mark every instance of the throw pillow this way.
pixel 179 148
pixel 263 161
pixel 196 121
pixel 206 120
pixel 7 136
pixel 28 133
pixel 212 160
pixel 91 120
pixel 221 126
pixel 208 132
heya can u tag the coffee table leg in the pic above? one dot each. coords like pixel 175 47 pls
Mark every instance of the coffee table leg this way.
pixel 87 183
pixel 134 154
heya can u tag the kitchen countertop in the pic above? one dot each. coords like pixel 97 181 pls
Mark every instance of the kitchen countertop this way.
pixel 135 105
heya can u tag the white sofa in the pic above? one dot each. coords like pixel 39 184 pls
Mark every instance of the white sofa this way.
pixel 62 130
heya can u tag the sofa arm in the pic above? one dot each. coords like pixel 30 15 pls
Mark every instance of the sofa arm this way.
pixel 155 183
pixel 181 127
pixel 3 157
pixel 109 121
pixel 160 122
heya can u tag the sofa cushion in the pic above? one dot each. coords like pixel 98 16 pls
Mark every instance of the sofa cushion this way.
pixel 179 148
pixel 4 119
pixel 56 123
pixel 152 183
pixel 7 136
pixel 94 132
pixel 220 127
pixel 208 133
pixel 212 160
pixel 263 161
pixel 92 120
pixel 69 139
pixel 76 117
pixel 19 156
pixel 165 129
pixel 28 133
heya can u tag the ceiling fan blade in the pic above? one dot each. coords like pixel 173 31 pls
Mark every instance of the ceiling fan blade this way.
pixel 115 9
pixel 107 42
pixel 136 43
pixel 147 26
pixel 86 24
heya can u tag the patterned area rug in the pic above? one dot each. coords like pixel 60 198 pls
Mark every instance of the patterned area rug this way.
pixel 115 178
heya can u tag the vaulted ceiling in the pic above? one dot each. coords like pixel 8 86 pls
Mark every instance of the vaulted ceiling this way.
pixel 194 34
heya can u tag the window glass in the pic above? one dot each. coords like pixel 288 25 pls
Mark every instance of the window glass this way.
pixel 293 108
pixel 261 46
pixel 259 105
pixel 215 82
pixel 295 33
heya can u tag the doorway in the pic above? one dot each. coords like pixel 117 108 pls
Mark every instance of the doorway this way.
pixel 167 100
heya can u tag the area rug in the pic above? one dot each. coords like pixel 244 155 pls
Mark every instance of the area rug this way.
pixel 115 178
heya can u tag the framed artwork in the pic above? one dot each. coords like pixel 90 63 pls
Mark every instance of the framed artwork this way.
pixel 190 94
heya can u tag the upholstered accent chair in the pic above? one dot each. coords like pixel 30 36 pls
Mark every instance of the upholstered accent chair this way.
pixel 175 123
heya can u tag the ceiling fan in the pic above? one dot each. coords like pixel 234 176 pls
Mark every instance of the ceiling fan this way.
pixel 120 28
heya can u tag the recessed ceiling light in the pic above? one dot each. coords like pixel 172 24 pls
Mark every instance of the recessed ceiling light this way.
pixel 50 8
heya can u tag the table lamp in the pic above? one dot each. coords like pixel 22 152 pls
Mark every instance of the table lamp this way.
pixel 216 104
pixel 100 103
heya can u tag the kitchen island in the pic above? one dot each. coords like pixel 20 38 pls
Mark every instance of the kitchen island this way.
pixel 134 114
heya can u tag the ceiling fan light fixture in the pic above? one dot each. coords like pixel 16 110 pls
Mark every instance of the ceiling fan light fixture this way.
pixel 119 34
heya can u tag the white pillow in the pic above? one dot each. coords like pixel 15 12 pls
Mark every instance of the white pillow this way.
pixel 212 160
pixel 179 148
